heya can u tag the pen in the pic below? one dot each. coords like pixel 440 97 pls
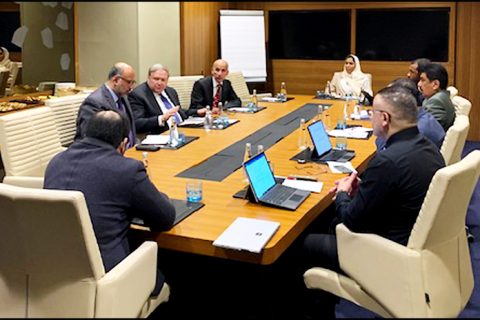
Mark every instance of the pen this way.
pixel 299 177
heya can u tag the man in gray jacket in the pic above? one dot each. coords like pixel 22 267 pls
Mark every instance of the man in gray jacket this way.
pixel 433 85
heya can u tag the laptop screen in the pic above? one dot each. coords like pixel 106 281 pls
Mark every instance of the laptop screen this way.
pixel 260 175
pixel 319 136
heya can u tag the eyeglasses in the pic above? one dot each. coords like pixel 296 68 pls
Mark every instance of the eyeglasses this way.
pixel 130 82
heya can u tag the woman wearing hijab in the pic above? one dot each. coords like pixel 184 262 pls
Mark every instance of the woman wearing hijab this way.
pixel 351 80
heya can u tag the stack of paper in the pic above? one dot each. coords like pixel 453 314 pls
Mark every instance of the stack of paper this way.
pixel 156 139
pixel 247 234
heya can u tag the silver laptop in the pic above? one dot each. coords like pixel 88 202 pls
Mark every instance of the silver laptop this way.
pixel 323 150
pixel 266 190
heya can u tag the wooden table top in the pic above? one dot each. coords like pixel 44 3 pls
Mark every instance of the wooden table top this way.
pixel 197 232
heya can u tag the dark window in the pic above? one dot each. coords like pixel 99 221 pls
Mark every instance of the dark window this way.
pixel 310 34
pixel 403 34
pixel 9 22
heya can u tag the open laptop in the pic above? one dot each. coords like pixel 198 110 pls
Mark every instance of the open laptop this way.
pixel 323 150
pixel 266 190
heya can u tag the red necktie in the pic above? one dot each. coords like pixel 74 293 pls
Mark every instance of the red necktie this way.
pixel 216 99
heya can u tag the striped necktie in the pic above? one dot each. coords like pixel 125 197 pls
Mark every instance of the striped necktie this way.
pixel 131 137
pixel 216 98
pixel 169 106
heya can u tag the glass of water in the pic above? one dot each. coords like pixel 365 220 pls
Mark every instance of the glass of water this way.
pixel 341 142
pixel 194 191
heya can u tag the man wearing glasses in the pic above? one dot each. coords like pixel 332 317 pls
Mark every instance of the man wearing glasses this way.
pixel 111 95
pixel 388 199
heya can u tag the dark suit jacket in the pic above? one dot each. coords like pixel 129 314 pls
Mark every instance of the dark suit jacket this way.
pixel 146 109
pixel 202 94
pixel 100 99
pixel 393 187
pixel 116 189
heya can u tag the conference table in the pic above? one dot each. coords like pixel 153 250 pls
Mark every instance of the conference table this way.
pixel 197 232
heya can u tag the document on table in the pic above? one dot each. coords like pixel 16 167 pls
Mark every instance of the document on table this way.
pixel 303 185
pixel 156 139
pixel 354 132
pixel 192 121
pixel 247 234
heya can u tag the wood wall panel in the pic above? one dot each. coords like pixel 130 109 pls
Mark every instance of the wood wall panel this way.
pixel 199 36
pixel 467 63
pixel 307 76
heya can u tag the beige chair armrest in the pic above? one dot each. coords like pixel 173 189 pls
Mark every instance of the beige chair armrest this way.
pixel 124 290
pixel 24 181
pixel 379 265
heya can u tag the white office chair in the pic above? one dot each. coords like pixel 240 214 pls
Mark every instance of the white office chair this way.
pixel 431 276
pixel 28 140
pixel 183 85
pixel 454 141
pixel 241 89
pixel 50 263
pixel 462 105
pixel 65 110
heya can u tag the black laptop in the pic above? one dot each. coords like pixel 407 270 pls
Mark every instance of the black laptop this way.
pixel 322 148
pixel 265 188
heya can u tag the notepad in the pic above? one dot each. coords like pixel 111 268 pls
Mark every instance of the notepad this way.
pixel 247 234
pixel 156 139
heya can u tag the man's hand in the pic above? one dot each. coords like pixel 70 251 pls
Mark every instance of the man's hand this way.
pixel 348 184
pixel 170 113
pixel 201 112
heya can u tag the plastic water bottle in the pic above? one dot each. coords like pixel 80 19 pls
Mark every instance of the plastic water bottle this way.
pixel 319 113
pixel 283 92
pixel 208 121
pixel 328 89
pixel 248 151
pixel 253 106
pixel 173 134
pixel 248 154
pixel 326 119
pixel 302 138
pixel 260 148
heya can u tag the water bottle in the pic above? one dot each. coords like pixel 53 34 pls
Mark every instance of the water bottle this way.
pixel 326 119
pixel 252 107
pixel 248 151
pixel 319 113
pixel 328 89
pixel 173 134
pixel 208 121
pixel 283 92
pixel 302 138
pixel 146 164
pixel 248 154
pixel 260 148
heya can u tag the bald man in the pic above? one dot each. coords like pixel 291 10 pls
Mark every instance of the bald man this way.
pixel 213 89
pixel 111 95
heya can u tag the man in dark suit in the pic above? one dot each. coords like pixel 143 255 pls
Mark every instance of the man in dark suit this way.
pixel 116 188
pixel 111 95
pixel 154 104
pixel 213 89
